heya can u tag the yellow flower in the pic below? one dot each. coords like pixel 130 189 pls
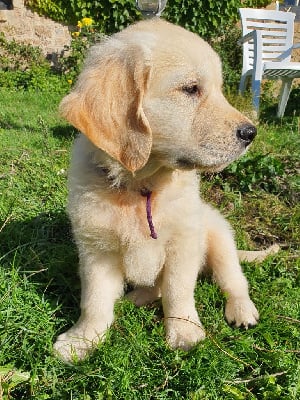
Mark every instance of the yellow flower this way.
pixel 79 24
pixel 87 21
pixel 70 81
pixel 75 34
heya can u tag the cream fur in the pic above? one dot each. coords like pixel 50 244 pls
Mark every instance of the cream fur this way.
pixel 150 106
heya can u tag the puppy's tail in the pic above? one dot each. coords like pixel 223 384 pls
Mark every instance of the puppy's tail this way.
pixel 259 255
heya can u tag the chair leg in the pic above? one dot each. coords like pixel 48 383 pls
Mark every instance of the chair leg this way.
pixel 256 93
pixel 243 83
pixel 284 96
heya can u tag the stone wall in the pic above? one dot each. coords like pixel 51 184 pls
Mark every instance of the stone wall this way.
pixel 296 52
pixel 25 26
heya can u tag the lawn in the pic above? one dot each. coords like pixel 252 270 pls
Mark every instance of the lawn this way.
pixel 39 287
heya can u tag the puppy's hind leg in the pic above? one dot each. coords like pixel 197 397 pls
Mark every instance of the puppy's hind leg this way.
pixel 222 258
pixel 101 286
pixel 142 296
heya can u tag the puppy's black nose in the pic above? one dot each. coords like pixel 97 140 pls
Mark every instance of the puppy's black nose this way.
pixel 246 133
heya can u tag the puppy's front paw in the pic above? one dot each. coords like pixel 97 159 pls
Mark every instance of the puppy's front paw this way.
pixel 75 344
pixel 183 333
pixel 241 312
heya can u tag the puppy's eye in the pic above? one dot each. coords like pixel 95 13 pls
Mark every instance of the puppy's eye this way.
pixel 191 90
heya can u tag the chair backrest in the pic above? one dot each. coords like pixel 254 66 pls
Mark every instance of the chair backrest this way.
pixel 277 32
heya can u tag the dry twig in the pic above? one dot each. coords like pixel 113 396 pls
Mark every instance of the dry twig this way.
pixel 257 378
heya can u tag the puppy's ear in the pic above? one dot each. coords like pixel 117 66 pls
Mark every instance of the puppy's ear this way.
pixel 106 104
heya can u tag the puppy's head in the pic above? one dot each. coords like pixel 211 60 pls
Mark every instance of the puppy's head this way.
pixel 154 91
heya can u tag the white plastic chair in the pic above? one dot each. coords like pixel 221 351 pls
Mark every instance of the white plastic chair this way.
pixel 267 47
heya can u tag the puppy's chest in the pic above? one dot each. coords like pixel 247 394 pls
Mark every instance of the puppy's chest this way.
pixel 142 237
pixel 134 214
pixel 143 254
pixel 143 215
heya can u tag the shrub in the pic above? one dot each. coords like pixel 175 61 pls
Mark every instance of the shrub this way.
pixel 110 15
pixel 71 63
pixel 24 66
pixel 205 17
pixel 208 18
pixel 16 56
pixel 231 55
pixel 255 172
pixel 57 10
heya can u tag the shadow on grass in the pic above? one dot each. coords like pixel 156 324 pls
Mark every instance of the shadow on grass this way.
pixel 268 110
pixel 42 251
pixel 58 131
pixel 64 131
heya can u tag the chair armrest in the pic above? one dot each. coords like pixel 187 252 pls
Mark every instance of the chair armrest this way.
pixel 287 52
pixel 246 38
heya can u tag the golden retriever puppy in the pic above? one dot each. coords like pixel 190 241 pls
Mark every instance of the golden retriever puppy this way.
pixel 151 111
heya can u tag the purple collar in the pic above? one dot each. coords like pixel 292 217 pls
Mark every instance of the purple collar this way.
pixel 147 193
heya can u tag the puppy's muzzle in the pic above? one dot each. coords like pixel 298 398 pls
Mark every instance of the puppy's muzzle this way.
pixel 246 133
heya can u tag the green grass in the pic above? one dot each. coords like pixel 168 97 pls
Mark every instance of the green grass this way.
pixel 39 292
